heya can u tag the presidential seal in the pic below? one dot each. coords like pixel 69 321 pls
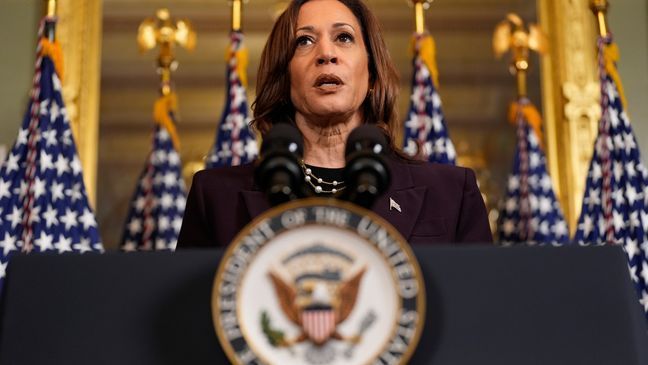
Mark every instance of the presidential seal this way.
pixel 318 282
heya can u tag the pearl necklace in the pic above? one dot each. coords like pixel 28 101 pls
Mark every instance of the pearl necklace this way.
pixel 311 179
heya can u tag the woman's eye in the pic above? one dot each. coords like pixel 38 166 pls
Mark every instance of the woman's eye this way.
pixel 303 41
pixel 345 37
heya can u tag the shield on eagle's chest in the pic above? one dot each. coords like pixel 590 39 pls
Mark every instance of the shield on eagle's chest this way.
pixel 318 324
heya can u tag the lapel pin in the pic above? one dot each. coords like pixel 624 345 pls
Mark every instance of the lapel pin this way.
pixel 394 205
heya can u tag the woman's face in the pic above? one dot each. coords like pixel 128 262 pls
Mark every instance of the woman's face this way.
pixel 329 74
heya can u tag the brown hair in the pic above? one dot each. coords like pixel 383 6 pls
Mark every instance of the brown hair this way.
pixel 273 104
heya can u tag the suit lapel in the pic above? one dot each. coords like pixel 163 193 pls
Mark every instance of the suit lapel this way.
pixel 402 191
pixel 255 201
pixel 401 194
pixel 410 202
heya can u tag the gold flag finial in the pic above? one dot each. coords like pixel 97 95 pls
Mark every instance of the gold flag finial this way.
pixel 237 11
pixel 609 50
pixel 600 7
pixel 419 19
pixel 166 32
pixel 511 34
pixel 50 20
pixel 51 8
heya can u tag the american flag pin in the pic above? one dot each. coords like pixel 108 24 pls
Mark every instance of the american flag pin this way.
pixel 394 205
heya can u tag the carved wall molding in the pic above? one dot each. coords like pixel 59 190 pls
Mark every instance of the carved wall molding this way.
pixel 79 31
pixel 571 97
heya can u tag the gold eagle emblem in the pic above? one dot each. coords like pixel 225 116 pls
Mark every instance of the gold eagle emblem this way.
pixel 317 306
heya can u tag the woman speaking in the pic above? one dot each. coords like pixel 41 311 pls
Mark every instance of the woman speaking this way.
pixel 326 70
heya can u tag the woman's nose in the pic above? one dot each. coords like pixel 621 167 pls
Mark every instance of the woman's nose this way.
pixel 325 59
pixel 326 53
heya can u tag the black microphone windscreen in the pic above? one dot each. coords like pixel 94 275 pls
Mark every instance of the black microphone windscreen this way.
pixel 278 172
pixel 366 135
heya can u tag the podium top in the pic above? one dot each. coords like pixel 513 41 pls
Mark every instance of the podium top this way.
pixel 486 305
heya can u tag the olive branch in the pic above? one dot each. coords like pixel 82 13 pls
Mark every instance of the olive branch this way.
pixel 274 336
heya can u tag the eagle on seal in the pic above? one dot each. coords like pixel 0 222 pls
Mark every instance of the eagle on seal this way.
pixel 317 306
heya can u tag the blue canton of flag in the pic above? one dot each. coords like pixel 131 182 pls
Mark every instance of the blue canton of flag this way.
pixel 158 204
pixel 425 126
pixel 530 212
pixel 615 203
pixel 235 143
pixel 43 201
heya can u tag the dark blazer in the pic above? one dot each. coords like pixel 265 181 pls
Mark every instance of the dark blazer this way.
pixel 439 204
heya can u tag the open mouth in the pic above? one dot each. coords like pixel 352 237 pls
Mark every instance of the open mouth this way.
pixel 328 80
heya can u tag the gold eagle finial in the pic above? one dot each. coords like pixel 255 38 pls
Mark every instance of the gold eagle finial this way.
pixel 512 35
pixel 166 32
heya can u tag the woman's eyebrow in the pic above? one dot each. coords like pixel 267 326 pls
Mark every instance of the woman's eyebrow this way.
pixel 308 28
pixel 341 25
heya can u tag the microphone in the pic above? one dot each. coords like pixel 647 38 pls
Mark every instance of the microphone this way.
pixel 366 173
pixel 278 172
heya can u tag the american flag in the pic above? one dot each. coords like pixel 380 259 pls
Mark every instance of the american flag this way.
pixel 425 126
pixel 530 212
pixel 235 143
pixel 615 203
pixel 158 204
pixel 43 201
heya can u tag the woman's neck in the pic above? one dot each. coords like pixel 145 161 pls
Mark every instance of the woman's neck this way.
pixel 324 145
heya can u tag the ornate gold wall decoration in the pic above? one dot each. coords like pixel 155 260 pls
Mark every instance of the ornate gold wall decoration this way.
pixel 79 31
pixel 570 97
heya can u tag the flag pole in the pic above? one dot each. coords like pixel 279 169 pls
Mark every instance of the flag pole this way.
pixel 235 142
pixel 600 7
pixel 237 9
pixel 425 132
pixel 142 231
pixel 51 8
pixel 520 62
pixel 521 67
pixel 166 58
pixel 511 36
pixel 50 25
pixel 516 220
pixel 608 49
pixel 419 14
pixel 165 32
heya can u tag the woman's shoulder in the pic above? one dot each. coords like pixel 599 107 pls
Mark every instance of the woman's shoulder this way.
pixel 242 175
pixel 423 171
